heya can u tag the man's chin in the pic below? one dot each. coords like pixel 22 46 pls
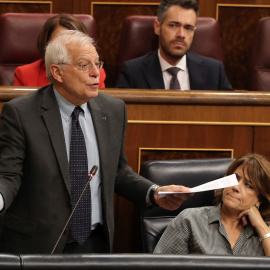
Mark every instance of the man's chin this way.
pixel 91 91
pixel 94 93
pixel 178 53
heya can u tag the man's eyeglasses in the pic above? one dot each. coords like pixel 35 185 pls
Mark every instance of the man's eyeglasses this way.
pixel 86 67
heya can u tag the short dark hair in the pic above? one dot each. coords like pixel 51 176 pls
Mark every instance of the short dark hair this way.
pixel 66 20
pixel 165 4
pixel 258 171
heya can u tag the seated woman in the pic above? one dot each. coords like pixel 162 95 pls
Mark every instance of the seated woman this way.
pixel 34 74
pixel 237 225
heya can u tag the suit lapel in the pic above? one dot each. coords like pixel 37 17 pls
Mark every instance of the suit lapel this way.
pixel 53 122
pixel 52 118
pixel 101 124
pixel 152 71
pixel 196 72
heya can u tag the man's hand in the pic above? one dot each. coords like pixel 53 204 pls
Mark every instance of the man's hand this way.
pixel 173 201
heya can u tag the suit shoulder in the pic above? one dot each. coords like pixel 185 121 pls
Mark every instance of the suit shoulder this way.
pixel 208 60
pixel 28 99
pixel 109 102
pixel 108 98
pixel 141 59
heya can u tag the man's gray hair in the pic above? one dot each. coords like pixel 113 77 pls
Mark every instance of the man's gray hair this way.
pixel 166 4
pixel 56 50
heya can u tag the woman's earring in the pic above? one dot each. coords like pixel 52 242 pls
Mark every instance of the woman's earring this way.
pixel 258 206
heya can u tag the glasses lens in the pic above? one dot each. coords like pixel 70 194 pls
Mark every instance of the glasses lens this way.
pixel 89 66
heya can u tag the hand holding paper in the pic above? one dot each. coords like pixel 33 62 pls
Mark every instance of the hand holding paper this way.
pixel 227 181
pixel 172 202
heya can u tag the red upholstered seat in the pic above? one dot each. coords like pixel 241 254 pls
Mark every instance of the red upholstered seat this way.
pixel 18 35
pixel 138 38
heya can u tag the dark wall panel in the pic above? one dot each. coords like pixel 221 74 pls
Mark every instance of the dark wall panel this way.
pixel 237 33
pixel 109 18
pixel 28 7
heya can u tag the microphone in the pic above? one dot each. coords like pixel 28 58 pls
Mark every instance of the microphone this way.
pixel 90 177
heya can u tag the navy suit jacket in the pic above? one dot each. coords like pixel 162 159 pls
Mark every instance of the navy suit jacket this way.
pixel 145 73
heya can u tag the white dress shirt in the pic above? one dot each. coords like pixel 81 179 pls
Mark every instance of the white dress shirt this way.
pixel 183 76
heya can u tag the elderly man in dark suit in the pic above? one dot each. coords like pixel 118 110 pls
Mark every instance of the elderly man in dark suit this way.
pixel 173 66
pixel 49 140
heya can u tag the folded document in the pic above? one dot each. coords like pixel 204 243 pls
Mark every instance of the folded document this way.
pixel 227 181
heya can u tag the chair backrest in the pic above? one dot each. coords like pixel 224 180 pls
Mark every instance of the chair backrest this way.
pixel 190 173
pixel 18 35
pixel 260 60
pixel 138 38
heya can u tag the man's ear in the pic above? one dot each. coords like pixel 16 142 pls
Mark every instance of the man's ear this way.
pixel 157 27
pixel 56 72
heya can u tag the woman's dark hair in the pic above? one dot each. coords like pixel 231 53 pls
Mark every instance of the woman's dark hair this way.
pixel 66 20
pixel 258 171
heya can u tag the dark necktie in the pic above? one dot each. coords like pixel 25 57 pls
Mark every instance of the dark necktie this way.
pixel 78 167
pixel 174 84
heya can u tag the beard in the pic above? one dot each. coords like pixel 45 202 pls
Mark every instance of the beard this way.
pixel 174 54
pixel 166 46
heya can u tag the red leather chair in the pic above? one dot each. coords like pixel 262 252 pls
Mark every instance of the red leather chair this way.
pixel 18 35
pixel 138 38
pixel 260 60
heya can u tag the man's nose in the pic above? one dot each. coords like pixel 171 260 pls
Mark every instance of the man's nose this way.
pixel 180 32
pixel 94 71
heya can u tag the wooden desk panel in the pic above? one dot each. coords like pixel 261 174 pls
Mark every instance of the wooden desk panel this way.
pixel 191 124
pixel 175 124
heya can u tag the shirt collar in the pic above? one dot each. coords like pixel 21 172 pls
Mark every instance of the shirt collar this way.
pixel 182 64
pixel 214 214
pixel 66 108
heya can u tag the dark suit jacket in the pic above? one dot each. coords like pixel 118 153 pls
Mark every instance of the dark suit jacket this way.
pixel 34 169
pixel 145 73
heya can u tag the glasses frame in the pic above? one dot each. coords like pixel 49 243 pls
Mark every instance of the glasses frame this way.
pixel 86 68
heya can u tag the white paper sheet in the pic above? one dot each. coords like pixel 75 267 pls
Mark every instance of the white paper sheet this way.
pixel 227 181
